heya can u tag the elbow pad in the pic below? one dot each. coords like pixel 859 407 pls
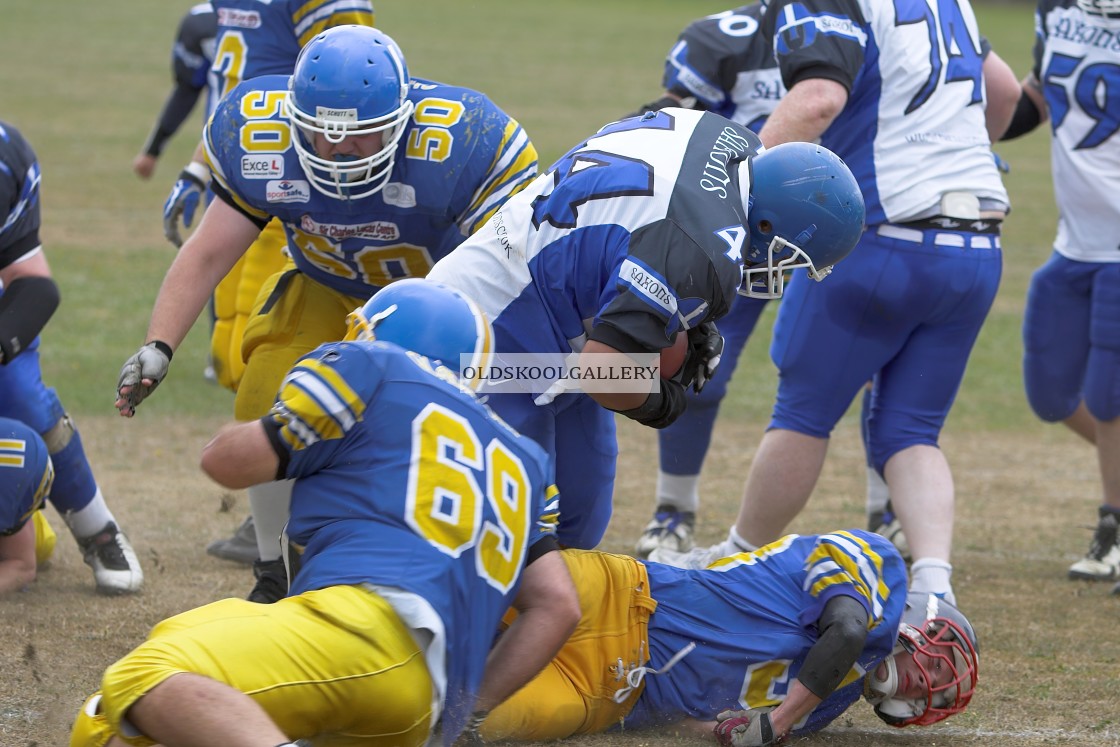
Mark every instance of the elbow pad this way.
pixel 25 307
pixel 843 631
pixel 1025 118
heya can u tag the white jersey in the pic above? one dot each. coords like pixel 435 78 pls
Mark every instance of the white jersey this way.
pixel 913 129
pixel 633 235
pixel 1077 60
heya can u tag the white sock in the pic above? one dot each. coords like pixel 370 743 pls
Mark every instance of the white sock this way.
pixel 91 519
pixel 270 503
pixel 735 543
pixel 931 576
pixel 682 492
pixel 877 492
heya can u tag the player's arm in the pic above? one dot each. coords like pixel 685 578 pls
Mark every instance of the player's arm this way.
pixel 1030 109
pixel 805 112
pixel 842 632
pixel 1002 92
pixel 817 76
pixel 29 300
pixel 208 255
pixel 548 611
pixel 17 558
pixel 240 455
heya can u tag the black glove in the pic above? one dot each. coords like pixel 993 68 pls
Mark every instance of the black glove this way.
pixel 661 408
pixel 705 346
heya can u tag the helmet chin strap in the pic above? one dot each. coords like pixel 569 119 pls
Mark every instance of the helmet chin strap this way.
pixel 874 690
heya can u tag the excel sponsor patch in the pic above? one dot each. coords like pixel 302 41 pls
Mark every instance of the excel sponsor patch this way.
pixel 287 190
pixel 262 167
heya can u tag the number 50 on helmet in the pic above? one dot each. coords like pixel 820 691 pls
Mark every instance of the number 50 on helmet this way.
pixel 804 209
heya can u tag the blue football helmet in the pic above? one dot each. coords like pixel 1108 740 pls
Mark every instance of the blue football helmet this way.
pixel 429 318
pixel 26 474
pixel 939 630
pixel 804 209
pixel 349 81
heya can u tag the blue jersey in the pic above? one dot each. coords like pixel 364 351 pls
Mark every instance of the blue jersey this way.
pixel 264 38
pixel 19 196
pixel 459 158
pixel 753 617
pixel 913 128
pixel 635 234
pixel 25 474
pixel 728 66
pixel 404 480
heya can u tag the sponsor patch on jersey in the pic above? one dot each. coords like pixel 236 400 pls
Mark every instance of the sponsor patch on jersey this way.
pixel 262 167
pixel 239 19
pixel 378 230
pixel 648 285
pixel 399 195
pixel 287 190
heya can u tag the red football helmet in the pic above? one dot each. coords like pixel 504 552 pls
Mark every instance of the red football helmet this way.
pixel 942 634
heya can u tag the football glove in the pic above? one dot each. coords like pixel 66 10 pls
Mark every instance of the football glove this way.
pixel 745 728
pixel 705 346
pixel 141 374
pixel 183 200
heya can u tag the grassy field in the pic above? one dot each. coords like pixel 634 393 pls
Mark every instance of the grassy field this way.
pixel 84 81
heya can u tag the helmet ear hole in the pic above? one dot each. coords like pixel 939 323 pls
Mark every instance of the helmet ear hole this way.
pixel 765 227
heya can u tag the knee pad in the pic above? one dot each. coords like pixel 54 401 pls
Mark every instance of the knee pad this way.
pixel 59 435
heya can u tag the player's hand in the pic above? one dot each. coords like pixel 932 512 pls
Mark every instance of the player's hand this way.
pixel 745 728
pixel 183 201
pixel 140 375
pixel 471 736
pixel 705 346
pixel 143 165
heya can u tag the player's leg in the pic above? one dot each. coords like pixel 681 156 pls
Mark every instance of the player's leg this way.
pixel 75 494
pixel 1102 400
pixel 914 393
pixel 234 301
pixel 308 666
pixel 294 316
pixel 586 457
pixel 1057 348
pixel 881 517
pixel 684 444
pixel 574 694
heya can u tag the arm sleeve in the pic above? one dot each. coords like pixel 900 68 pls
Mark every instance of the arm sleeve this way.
pixel 833 56
pixel 175 111
pixel 842 629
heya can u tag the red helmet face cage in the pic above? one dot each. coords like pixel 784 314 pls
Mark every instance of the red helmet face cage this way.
pixel 947 647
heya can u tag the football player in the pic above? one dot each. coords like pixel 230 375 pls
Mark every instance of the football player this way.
pixel 1071 337
pixel 254 39
pixel 724 63
pixel 719 63
pixel 191 57
pixel 647 229
pixel 28 298
pixel 373 175
pixel 26 475
pixel 397 465
pixel 759 646
pixel 905 311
